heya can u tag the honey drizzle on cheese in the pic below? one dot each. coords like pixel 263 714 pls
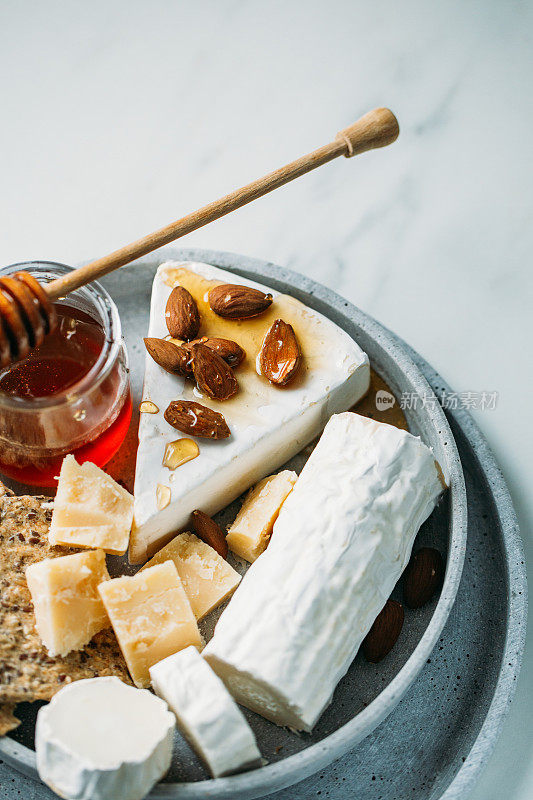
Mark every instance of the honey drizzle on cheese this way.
pixel 254 390
pixel 367 405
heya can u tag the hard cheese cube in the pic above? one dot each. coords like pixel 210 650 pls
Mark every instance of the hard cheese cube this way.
pixel 90 509
pixel 207 578
pixel 68 608
pixel 250 534
pixel 151 616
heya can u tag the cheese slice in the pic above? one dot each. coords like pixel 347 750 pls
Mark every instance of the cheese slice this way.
pixel 90 509
pixel 207 714
pixel 250 534
pixel 342 539
pixel 207 578
pixel 99 739
pixel 151 617
pixel 68 608
pixel 268 424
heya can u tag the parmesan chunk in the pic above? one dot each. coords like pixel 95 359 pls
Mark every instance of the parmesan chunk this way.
pixel 68 608
pixel 151 616
pixel 250 534
pixel 90 509
pixel 207 578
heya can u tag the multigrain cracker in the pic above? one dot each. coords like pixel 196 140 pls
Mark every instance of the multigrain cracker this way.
pixel 8 721
pixel 27 672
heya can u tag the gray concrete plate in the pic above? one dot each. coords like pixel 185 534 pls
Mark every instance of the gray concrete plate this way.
pixel 442 731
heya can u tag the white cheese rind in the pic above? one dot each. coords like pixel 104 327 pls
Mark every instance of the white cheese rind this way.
pixel 342 539
pixel 99 739
pixel 206 713
pixel 281 427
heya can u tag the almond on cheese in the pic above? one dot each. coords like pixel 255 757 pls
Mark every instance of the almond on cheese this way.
pixel 151 616
pixel 264 426
pixel 207 578
pixel 250 534
pixel 68 608
pixel 90 509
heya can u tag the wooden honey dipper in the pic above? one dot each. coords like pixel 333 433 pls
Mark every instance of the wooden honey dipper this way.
pixel 27 312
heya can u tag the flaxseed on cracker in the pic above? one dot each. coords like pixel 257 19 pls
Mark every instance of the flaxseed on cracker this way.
pixel 27 672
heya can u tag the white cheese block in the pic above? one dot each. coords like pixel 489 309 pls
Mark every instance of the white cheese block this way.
pixel 99 739
pixel 206 713
pixel 268 425
pixel 342 539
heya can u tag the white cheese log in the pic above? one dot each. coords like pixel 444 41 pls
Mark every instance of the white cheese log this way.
pixel 342 539
pixel 99 739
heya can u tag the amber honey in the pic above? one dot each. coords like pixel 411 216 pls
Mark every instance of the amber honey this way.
pixel 71 395
pixel 65 356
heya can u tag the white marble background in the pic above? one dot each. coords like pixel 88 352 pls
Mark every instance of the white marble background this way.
pixel 117 117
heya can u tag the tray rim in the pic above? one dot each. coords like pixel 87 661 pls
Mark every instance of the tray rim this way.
pixel 517 590
pixel 298 766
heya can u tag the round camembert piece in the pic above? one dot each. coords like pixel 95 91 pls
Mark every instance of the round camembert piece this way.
pixel 99 739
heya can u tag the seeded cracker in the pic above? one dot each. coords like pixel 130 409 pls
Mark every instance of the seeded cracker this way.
pixel 27 673
pixel 8 721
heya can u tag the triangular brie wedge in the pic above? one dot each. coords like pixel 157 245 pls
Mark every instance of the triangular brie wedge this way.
pixel 268 424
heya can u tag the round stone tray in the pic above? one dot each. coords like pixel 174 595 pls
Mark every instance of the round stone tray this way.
pixel 440 735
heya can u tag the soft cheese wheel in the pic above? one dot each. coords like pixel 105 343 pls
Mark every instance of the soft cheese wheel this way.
pixel 268 425
pixel 206 713
pixel 342 539
pixel 99 739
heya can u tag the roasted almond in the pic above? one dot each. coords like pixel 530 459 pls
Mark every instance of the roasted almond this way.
pixel 423 577
pixel 384 633
pixel 230 351
pixel 170 356
pixel 280 357
pixel 196 420
pixel 182 315
pixel 213 376
pixel 209 532
pixel 232 301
